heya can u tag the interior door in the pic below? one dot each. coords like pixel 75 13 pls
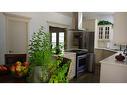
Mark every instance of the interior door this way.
pixel 16 36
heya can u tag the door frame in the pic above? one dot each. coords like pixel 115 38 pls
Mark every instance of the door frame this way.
pixel 14 17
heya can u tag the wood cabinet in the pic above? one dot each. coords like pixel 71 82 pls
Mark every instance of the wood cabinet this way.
pixel 13 58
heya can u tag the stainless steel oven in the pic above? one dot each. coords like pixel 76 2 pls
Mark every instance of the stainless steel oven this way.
pixel 82 63
pixel 82 60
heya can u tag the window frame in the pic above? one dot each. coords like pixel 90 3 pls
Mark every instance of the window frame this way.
pixel 58 30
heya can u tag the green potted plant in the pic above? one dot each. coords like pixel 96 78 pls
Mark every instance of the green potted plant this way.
pixel 58 49
pixel 43 66
pixel 103 22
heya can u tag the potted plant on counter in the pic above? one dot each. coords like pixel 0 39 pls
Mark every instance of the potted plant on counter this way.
pixel 43 66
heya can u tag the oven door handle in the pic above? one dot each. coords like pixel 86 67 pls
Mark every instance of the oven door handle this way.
pixel 82 56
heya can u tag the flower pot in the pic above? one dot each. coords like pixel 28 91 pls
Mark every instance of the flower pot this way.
pixel 40 75
pixel 37 74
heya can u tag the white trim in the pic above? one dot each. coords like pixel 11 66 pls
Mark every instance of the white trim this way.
pixel 50 23
pixel 17 17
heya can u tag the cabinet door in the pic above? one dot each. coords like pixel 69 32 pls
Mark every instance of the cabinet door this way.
pixel 100 32
pixel 107 31
pixel 104 32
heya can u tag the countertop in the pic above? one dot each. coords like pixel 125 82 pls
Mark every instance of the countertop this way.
pixel 111 60
pixel 113 50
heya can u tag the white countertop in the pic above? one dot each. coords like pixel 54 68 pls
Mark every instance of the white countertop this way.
pixel 111 60
pixel 113 50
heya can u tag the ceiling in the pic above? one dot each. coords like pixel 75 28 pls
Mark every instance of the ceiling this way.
pixel 90 14
pixel 66 13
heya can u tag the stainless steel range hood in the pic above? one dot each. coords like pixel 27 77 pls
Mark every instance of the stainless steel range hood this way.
pixel 77 21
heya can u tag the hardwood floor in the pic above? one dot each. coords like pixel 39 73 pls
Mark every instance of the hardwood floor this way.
pixel 88 77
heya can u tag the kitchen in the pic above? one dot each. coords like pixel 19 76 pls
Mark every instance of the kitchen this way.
pixel 82 41
pixel 109 45
pixel 81 36
pixel 103 47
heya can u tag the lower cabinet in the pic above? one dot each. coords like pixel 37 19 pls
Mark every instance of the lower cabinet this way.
pixel 72 69
pixel 113 73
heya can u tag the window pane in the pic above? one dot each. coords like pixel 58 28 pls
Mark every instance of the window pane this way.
pixel 53 40
pixel 61 37
pixel 61 40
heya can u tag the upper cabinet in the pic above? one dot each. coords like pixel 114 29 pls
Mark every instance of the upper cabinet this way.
pixel 105 32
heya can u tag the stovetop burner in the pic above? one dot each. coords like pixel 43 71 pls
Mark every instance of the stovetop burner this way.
pixel 79 51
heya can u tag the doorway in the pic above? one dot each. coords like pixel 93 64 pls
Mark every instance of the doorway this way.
pixel 16 34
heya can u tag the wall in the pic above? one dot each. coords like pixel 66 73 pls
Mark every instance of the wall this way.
pixel 120 28
pixel 89 24
pixel 109 18
pixel 45 18
pixel 90 21
pixel 37 19
pixel 2 38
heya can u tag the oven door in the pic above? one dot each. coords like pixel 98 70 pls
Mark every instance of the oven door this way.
pixel 82 63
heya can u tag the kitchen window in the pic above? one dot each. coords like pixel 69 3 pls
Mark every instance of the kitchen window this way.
pixel 58 37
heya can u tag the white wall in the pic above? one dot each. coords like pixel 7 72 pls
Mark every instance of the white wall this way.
pixel 37 19
pixel 99 16
pixel 2 38
pixel 120 28
pixel 107 18
pixel 89 24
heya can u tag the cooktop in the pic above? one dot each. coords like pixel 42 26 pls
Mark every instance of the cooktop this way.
pixel 78 51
